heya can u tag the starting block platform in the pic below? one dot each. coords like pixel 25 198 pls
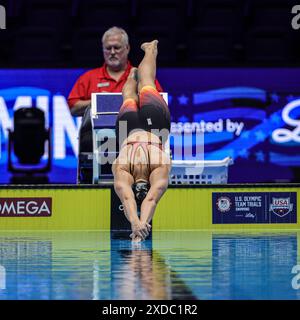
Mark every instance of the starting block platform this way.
pixel 103 114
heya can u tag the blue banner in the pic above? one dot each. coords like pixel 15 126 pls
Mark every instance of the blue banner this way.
pixel 251 115
pixel 254 207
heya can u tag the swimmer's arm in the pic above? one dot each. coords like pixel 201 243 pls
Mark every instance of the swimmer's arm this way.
pixel 159 180
pixel 122 185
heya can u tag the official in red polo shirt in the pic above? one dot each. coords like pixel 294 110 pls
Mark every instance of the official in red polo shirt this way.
pixel 110 77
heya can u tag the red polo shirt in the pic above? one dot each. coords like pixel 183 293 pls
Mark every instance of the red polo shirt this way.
pixel 98 80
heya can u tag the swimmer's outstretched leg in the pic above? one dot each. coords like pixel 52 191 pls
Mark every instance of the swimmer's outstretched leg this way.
pixel 147 67
pixel 128 113
pixel 130 87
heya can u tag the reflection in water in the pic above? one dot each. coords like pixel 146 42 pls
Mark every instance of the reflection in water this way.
pixel 26 264
pixel 142 273
pixel 171 265
pixel 54 265
pixel 2 278
pixel 143 276
pixel 256 266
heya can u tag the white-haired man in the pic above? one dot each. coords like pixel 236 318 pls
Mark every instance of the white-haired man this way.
pixel 111 77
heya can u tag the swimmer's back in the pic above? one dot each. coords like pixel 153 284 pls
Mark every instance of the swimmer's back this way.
pixel 141 136
pixel 148 154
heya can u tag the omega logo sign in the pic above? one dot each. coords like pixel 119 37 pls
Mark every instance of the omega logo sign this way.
pixel 25 207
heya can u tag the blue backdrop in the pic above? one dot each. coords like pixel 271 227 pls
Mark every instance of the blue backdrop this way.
pixel 251 115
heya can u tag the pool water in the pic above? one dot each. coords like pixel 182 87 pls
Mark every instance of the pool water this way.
pixel 169 265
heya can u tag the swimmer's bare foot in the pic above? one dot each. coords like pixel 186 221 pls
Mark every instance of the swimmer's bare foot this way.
pixel 150 47
pixel 130 87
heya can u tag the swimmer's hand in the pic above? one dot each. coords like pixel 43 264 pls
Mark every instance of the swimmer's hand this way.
pixel 147 225
pixel 140 231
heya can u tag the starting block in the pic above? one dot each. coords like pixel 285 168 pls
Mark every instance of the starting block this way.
pixel 103 113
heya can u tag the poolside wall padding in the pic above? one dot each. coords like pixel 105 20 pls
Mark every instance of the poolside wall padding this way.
pixel 89 208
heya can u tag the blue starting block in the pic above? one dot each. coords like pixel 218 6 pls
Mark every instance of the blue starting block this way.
pixel 104 112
